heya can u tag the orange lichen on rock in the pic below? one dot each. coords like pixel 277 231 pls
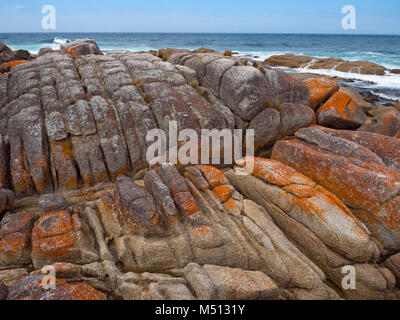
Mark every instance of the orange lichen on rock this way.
pixel 58 237
pixel 360 185
pixel 213 176
pixel 223 192
pixel 321 89
pixel 341 112
pixel 15 238
pixel 12 64
pixel 64 165
pixel 31 288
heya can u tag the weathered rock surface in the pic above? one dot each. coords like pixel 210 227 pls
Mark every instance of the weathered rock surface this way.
pixel 358 99
pixel 73 134
pixel 321 89
pixel 31 288
pixel 319 223
pixel 296 61
pixel 341 112
pixel 388 123
pixel 362 169
pixel 6 200
pixel 72 122
pixel 81 47
pixel 201 219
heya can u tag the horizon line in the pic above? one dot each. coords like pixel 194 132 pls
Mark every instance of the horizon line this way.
pixel 197 32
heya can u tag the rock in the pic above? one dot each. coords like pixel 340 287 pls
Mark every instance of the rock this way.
pixel 288 60
pixel 59 236
pixel 184 232
pixel 22 55
pixel 81 47
pixel 393 264
pixel 6 53
pixel 281 123
pixel 230 284
pixel 3 292
pixel 73 123
pixel 387 124
pixel 204 50
pixel 397 106
pixel 44 51
pixel 321 89
pixel 30 288
pixel 15 239
pixel 295 61
pixel 341 112
pixel 358 99
pixel 395 71
pixel 7 66
pixel 353 170
pixel 319 223
pixel 166 53
pixel 52 203
pixel 12 276
pixel 380 110
pixel 7 199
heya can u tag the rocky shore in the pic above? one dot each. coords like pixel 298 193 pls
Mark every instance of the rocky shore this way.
pixel 77 193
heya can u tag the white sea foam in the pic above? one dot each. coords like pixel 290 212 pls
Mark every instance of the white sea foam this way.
pixel 61 41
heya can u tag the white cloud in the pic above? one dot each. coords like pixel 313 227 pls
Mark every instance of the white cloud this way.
pixel 20 6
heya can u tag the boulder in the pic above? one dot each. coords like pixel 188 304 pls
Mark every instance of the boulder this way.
pixel 321 89
pixel 387 124
pixel 341 112
pixel 380 110
pixel 22 55
pixel 6 54
pixel 274 124
pixel 81 47
pixel 43 51
pixel 357 98
pixel 353 170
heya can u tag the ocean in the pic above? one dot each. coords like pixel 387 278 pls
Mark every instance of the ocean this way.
pixel 381 49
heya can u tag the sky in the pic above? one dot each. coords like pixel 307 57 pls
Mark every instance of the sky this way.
pixel 220 16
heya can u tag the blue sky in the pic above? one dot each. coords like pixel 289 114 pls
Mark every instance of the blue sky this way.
pixel 263 16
